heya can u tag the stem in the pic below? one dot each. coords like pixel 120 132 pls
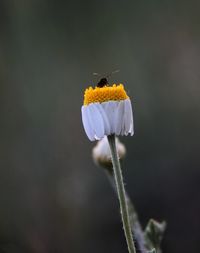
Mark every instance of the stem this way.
pixel 133 217
pixel 121 194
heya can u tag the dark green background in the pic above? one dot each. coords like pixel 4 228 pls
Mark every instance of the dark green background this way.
pixel 52 197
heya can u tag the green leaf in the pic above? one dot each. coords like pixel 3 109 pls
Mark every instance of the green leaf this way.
pixel 152 251
pixel 153 235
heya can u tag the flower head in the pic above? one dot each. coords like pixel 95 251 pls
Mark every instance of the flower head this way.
pixel 107 110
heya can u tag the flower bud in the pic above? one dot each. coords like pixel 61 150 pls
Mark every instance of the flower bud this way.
pixel 101 152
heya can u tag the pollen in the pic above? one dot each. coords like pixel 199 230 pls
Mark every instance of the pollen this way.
pixel 104 94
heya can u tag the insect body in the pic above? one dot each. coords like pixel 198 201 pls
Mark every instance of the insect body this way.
pixel 103 82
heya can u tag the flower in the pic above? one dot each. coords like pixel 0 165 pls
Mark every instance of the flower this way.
pixel 102 155
pixel 107 110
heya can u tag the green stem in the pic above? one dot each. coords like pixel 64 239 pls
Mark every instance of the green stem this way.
pixel 121 194
pixel 133 217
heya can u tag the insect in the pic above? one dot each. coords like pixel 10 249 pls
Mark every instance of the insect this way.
pixel 104 81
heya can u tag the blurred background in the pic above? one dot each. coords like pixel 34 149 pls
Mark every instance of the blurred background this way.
pixel 53 199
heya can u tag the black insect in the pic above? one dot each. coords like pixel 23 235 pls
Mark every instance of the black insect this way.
pixel 103 82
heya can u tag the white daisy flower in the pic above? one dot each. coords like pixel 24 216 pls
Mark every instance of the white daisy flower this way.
pixel 107 110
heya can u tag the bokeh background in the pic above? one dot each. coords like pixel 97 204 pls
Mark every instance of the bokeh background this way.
pixel 53 198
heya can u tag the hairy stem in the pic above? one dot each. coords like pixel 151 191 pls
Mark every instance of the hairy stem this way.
pixel 133 217
pixel 121 194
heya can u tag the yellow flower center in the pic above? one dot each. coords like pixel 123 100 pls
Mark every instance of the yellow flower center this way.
pixel 104 94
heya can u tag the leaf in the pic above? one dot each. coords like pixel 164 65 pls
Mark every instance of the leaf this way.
pixel 152 251
pixel 153 235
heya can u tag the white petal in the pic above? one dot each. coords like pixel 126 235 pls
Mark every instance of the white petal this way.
pixel 128 117
pixel 86 123
pixel 119 117
pixel 123 121
pixel 96 121
pixel 111 115
pixel 131 131
pixel 132 123
pixel 105 119
pixel 110 109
